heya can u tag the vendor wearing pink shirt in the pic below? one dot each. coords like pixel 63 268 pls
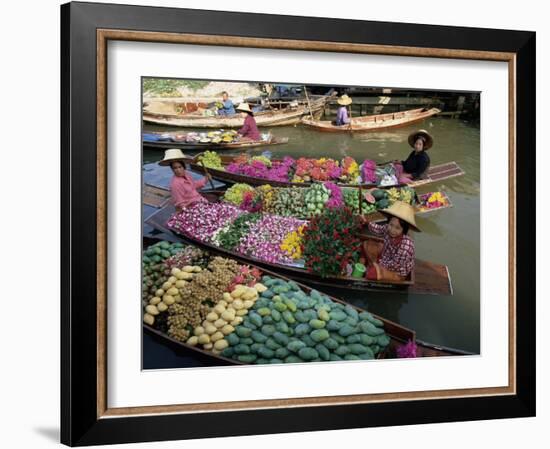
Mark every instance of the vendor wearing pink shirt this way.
pixel 183 187
pixel 249 131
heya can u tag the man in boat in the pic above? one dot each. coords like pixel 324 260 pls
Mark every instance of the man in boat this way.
pixel 418 162
pixel 391 259
pixel 249 131
pixel 228 107
pixel 342 117
pixel 183 188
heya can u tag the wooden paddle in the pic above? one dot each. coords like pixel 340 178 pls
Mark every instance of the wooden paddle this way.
pixel 207 174
pixel 308 103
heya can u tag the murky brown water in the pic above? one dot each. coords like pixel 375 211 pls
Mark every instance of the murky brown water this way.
pixel 449 237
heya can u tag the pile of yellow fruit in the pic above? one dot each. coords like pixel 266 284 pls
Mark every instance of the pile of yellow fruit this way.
pixel 170 292
pixel 223 318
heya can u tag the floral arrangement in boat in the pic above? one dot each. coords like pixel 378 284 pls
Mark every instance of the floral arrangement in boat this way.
pixel 224 225
pixel 263 168
pixel 350 171
pixel 298 171
pixel 330 242
pixel 323 169
pixel 432 201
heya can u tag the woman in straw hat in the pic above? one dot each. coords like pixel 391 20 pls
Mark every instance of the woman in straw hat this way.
pixel 249 131
pixel 392 259
pixel 342 115
pixel 418 162
pixel 183 188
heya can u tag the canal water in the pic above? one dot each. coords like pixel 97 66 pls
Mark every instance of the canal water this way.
pixel 449 237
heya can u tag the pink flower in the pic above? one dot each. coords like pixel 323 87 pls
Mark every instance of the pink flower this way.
pixel 202 220
pixel 336 199
pixel 408 350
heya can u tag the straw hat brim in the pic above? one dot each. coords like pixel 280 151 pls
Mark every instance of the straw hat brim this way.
pixel 344 101
pixel 243 108
pixel 403 211
pixel 167 162
pixel 174 155
pixel 421 132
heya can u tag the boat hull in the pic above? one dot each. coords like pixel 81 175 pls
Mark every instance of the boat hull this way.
pixel 163 145
pixel 435 173
pixel 374 123
pixel 427 277
pixel 282 117
pixel 398 335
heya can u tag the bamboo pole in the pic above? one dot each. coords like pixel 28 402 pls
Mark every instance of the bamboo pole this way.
pixel 308 103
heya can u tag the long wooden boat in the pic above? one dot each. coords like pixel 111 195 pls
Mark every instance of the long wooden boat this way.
pixel 397 333
pixel 426 278
pixel 183 145
pixel 435 173
pixel 157 197
pixel 166 113
pixel 370 123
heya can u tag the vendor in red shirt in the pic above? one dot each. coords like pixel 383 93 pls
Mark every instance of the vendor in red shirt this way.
pixel 393 258
pixel 183 188
pixel 249 131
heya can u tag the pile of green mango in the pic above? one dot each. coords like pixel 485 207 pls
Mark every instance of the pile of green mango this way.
pixel 160 251
pixel 153 268
pixel 288 325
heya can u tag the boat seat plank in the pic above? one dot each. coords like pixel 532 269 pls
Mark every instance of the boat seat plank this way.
pixel 431 279
pixel 442 167
pixel 155 196
pixel 158 219
pixel 439 173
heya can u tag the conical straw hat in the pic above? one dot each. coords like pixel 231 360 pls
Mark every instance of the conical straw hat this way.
pixel 244 107
pixel 404 211
pixel 422 133
pixel 344 100
pixel 172 155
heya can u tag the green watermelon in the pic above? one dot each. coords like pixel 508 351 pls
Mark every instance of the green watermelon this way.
pixel 378 194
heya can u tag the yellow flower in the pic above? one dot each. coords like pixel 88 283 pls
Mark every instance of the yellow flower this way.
pixel 292 243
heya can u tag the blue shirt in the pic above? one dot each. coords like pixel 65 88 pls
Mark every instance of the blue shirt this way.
pixel 228 108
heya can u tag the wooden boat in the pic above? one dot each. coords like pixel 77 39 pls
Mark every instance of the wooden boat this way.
pixel 369 123
pixel 426 278
pixel 398 335
pixel 435 173
pixel 183 145
pixel 167 112
pixel 157 197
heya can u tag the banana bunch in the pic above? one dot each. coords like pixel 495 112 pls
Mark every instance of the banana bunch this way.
pixel 394 195
pixel 408 195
